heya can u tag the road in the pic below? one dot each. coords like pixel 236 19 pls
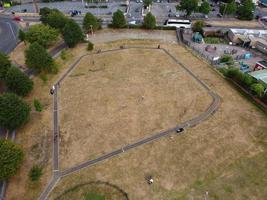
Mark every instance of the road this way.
pixel 57 174
pixel 8 35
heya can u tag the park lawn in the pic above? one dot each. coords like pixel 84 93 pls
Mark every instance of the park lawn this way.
pixel 215 40
pixel 225 155
pixel 117 98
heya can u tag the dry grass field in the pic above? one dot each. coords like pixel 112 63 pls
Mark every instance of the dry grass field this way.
pixel 236 23
pixel 224 155
pixel 116 98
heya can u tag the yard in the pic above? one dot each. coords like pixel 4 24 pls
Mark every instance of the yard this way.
pixel 115 98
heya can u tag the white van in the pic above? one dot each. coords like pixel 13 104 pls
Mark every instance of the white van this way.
pixel 178 23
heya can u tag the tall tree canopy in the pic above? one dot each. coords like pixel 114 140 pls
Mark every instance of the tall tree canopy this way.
pixel 90 20
pixel 118 19
pixel 14 112
pixel 5 64
pixel 72 33
pixel 189 6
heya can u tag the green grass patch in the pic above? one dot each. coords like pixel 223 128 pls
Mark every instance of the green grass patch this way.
pixel 215 40
pixel 94 196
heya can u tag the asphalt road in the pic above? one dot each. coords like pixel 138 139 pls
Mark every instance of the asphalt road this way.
pixel 57 175
pixel 8 35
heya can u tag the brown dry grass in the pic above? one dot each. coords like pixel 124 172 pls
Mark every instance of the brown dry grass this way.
pixel 212 151
pixel 117 98
pixel 35 137
pixel 236 23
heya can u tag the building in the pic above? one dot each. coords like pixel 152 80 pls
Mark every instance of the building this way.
pixel 249 38
pixel 260 75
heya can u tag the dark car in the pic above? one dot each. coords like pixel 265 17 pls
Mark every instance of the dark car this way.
pixel 179 130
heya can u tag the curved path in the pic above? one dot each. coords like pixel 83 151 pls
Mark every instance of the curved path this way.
pixel 57 174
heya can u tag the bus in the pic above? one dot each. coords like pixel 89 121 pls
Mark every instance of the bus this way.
pixel 178 23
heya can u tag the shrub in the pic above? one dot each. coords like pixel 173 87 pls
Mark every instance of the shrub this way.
pixel 38 58
pixel 37 105
pixel 63 54
pixel 118 19
pixel 18 82
pixel 43 77
pixel 232 72
pixel 149 21
pixel 227 59
pixel 198 26
pixel 90 46
pixel 11 158
pixel 14 112
pixel 35 173
pixel 248 80
pixel 257 89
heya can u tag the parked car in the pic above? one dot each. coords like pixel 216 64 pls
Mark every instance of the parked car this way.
pixel 18 18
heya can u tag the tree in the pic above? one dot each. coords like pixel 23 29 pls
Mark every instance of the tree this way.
pixel 246 10
pixel 248 80
pixel 5 64
pixel 13 111
pixel 42 34
pixel 147 3
pixel 44 12
pixel 229 8
pixel 89 21
pixel 257 89
pixel 56 19
pixel 11 158
pixel 22 35
pixel 149 21
pixel 72 33
pixel 227 59
pixel 35 173
pixel 118 19
pixel 198 26
pixel 18 82
pixel 188 6
pixel 205 7
pixel 38 58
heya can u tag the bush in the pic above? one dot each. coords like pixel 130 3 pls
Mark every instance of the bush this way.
pixel 90 46
pixel 11 158
pixel 43 77
pixel 227 59
pixel 257 89
pixel 14 112
pixel 37 105
pixel 149 21
pixel 72 33
pixel 42 34
pixel 35 173
pixel 90 20
pixel 22 35
pixel 248 80
pixel 5 65
pixel 63 54
pixel 118 19
pixel 18 82
pixel 38 58
pixel 232 72
pixel 198 26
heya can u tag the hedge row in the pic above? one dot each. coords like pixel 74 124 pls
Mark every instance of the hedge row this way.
pixel 246 81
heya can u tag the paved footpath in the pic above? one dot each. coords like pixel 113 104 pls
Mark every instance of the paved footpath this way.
pixel 57 174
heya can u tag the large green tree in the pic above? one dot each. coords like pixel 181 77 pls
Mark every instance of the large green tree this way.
pixel 246 10
pixel 43 34
pixel 18 82
pixel 72 33
pixel 44 12
pixel 118 19
pixel 89 21
pixel 5 64
pixel 205 7
pixel 13 111
pixel 229 8
pixel 149 21
pixel 56 19
pixel 11 158
pixel 189 6
pixel 38 58
pixel 147 2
